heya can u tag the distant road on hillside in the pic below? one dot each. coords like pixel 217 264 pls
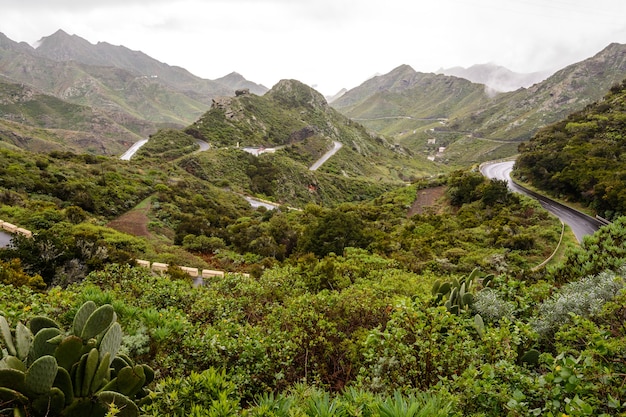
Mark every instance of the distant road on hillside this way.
pixel 580 223
pixel 133 149
pixel 204 146
pixel 326 156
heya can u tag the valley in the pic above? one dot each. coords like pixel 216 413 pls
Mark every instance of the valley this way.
pixel 361 257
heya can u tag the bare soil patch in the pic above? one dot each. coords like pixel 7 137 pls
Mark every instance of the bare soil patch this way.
pixel 427 199
pixel 133 222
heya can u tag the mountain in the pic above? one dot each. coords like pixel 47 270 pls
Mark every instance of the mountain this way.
pixel 460 123
pixel 293 126
pixel 499 79
pixel 63 47
pixel 517 115
pixel 132 90
pixel 235 81
pixel 405 93
pixel 33 120
pixel 334 97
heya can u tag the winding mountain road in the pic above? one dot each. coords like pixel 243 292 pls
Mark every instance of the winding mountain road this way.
pixel 580 223
pixel 204 146
pixel 326 156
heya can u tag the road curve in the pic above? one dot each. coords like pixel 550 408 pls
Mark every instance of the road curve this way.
pixel 204 146
pixel 580 223
pixel 133 149
pixel 326 156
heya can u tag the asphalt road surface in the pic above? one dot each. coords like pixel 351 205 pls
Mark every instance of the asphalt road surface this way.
pixel 326 156
pixel 580 223
pixel 5 239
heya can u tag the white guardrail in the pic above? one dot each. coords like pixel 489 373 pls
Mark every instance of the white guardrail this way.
pixel 11 228
pixel 161 268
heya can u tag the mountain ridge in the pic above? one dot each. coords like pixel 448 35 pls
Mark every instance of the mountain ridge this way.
pixel 425 117
pixel 496 77
pixel 61 46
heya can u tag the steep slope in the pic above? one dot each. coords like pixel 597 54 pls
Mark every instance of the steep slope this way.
pixel 298 126
pixel 63 47
pixel 111 89
pixel 405 92
pixel 582 156
pixel 36 121
pixel 519 114
pixel 477 126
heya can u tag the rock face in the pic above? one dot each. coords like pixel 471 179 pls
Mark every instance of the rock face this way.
pixel 226 105
pixel 302 134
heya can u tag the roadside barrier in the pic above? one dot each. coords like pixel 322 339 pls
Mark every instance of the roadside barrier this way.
pixel 11 228
pixel 195 273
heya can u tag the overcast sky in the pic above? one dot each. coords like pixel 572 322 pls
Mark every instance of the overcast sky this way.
pixel 330 44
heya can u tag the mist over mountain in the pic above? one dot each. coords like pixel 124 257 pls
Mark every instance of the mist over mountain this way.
pixel 431 112
pixel 497 78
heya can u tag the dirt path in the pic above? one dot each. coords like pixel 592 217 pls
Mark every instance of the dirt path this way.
pixel 135 221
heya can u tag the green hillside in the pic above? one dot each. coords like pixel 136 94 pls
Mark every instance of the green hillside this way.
pixel 581 158
pixel 328 314
pixel 297 121
pixel 36 121
pixel 428 112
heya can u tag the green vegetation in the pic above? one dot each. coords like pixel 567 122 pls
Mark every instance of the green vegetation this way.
pixel 168 144
pixel 355 333
pixel 581 158
pixel 339 303
pixel 49 372
pixel 474 125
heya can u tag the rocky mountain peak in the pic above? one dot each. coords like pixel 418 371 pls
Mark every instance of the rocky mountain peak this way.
pixel 60 46
pixel 294 93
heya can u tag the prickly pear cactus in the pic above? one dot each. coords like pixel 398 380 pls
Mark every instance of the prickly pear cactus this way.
pixel 41 374
pixel 98 321
pixel 48 372
pixel 456 295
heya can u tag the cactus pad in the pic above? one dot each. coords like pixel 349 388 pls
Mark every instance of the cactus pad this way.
pixel 81 317
pixel 111 342
pixel 12 378
pixel 37 323
pixel 91 365
pixel 12 362
pixel 41 374
pixel 40 345
pixel 69 352
pixel 98 321
pixel 23 340
pixel 103 373
pixel 5 336
pixel 127 407
pixel 63 381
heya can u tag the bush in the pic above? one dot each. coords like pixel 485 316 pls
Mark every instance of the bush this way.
pixel 584 297
pixel 208 393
